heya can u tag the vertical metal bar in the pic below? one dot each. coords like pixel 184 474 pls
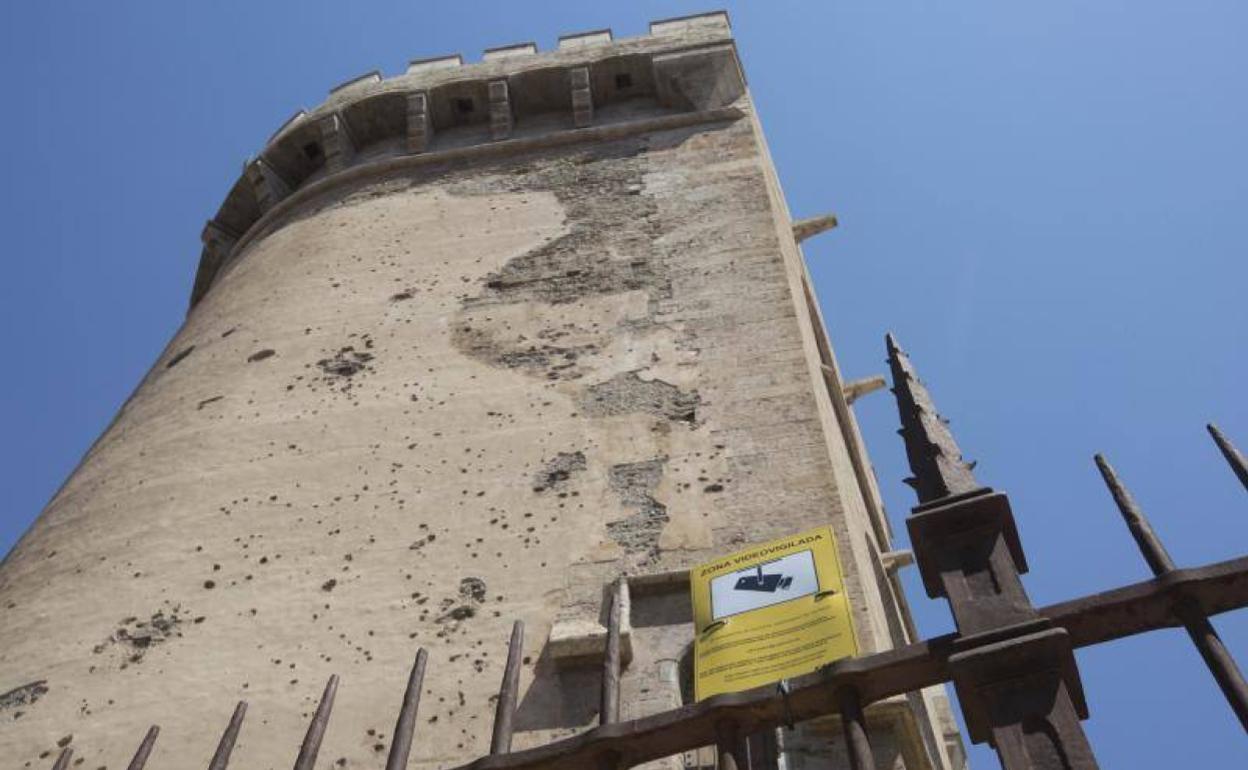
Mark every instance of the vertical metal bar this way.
pixel 729 747
pixel 401 745
pixel 221 758
pixel 316 730
pixel 1221 664
pixel 62 760
pixel 145 749
pixel 762 749
pixel 508 692
pixel 1217 658
pixel 609 706
pixel 1155 554
pixel 609 709
pixel 854 725
pixel 1232 455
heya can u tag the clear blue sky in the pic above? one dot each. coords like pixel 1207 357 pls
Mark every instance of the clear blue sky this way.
pixel 1045 201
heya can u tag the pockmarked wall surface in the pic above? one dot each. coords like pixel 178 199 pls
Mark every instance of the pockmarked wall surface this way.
pixel 417 402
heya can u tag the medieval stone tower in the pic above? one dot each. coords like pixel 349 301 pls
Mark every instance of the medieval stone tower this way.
pixel 466 345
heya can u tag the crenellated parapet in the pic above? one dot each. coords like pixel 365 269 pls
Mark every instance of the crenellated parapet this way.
pixel 516 98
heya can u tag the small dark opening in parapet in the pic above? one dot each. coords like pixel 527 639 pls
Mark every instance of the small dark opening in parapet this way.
pixel 312 151
pixel 623 81
pixel 463 106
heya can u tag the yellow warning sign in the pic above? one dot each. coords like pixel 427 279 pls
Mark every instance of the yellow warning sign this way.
pixel 770 612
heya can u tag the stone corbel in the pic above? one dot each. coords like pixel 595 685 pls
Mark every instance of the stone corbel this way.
pixel 339 145
pixel 805 228
pixel 500 110
pixel 268 185
pixel 579 641
pixel 582 97
pixel 892 561
pixel 218 242
pixel 419 123
pixel 859 388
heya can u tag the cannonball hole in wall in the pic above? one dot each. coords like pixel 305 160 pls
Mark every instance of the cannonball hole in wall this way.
pixel 312 151
pixel 463 106
pixel 623 81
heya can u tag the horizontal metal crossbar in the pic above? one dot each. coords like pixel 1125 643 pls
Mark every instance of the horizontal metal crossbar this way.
pixel 1103 617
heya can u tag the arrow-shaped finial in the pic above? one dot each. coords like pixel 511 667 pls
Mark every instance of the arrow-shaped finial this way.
pixel 935 459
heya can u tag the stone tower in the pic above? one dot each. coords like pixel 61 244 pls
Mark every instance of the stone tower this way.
pixel 465 345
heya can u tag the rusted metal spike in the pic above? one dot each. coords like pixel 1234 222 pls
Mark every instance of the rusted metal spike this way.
pixel 854 725
pixel 935 459
pixel 1221 664
pixel 62 761
pixel 401 745
pixel 316 730
pixel 1218 659
pixel 609 709
pixel 610 761
pixel 508 692
pixel 1155 554
pixel 1232 455
pixel 221 758
pixel 145 749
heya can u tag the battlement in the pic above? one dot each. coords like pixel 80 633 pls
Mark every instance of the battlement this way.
pixel 515 98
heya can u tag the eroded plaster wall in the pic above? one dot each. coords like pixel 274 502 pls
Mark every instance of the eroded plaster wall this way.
pixel 419 407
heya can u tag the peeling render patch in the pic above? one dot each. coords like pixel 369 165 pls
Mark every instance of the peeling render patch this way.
pixel 627 393
pixel 136 637
pixel 635 484
pixel 25 695
pixel 339 370
pixel 569 269
pixel 347 362
pixel 557 472
pixel 472 589
pixel 534 358
pixel 613 228
pixel 612 247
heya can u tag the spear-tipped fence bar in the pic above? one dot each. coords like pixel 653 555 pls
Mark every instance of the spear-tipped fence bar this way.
pixel 316 729
pixel 221 757
pixel 145 749
pixel 609 691
pixel 935 460
pixel 62 760
pixel 405 725
pixel 508 692
pixel 1232 455
pixel 854 726
pixel 1219 659
pixel 609 708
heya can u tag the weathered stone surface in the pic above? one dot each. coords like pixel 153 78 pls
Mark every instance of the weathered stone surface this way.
pixel 423 402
